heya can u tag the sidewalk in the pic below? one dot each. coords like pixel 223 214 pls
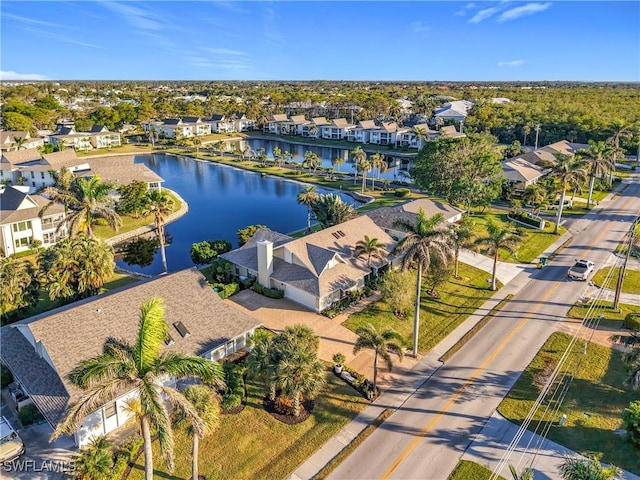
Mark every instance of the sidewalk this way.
pixel 405 386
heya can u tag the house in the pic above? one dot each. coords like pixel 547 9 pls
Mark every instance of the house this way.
pixel 103 138
pixel 275 123
pixel 314 271
pixel 41 351
pixel 449 131
pixel 97 137
pixel 386 134
pixel 385 217
pixel 21 222
pixel 221 124
pixel 244 124
pixel 336 130
pixel 361 132
pixel 177 128
pixel 313 128
pixel 520 173
pixel 453 111
pixel 417 137
pixel 16 140
pixel 296 124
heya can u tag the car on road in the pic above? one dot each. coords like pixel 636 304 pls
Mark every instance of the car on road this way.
pixel 581 270
pixel 11 446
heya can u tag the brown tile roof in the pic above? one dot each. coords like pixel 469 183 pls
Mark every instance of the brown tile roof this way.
pixel 21 156
pixel 367 124
pixel 76 332
pixel 122 174
pixel 62 159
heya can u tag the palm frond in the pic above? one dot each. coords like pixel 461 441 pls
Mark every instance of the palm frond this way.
pixel 151 335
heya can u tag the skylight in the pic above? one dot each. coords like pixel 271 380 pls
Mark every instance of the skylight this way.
pixel 182 330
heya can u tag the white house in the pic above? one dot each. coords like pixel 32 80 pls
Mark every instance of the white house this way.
pixel 417 137
pixel 313 128
pixel 244 124
pixel 97 137
pixel 186 127
pixel 221 124
pixel 455 111
pixel 16 140
pixel 21 221
pixel 338 129
pixel 41 351
pixel 274 124
pixel 386 134
pixel 361 133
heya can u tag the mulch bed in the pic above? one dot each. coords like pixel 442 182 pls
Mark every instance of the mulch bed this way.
pixel 307 409
pixel 234 410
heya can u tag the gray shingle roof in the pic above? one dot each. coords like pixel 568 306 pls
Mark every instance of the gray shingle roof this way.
pixel 247 255
pixel 385 217
pixel 78 331
pixel 22 156
pixel 12 198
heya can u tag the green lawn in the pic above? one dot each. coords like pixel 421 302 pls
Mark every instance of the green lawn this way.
pixel 438 316
pixel 535 241
pixel 630 283
pixel 593 405
pixel 604 309
pixel 466 470
pixel 253 445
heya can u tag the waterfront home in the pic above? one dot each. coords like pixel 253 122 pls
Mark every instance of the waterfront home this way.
pixel 22 221
pixel 97 137
pixel 275 122
pixel 361 132
pixel 296 124
pixel 313 129
pixel 315 270
pixel 338 129
pixel 18 140
pixel 178 128
pixel 42 350
pixel 386 134
pixel 221 124
pixel 417 136
pixel 244 124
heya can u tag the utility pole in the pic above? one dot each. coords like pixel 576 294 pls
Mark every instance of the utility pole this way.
pixel 616 298
pixel 537 133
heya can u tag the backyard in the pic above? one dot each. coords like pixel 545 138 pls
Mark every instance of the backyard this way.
pixel 593 404
pixel 254 445
pixel 438 316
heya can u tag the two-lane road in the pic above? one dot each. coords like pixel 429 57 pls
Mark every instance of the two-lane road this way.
pixel 425 438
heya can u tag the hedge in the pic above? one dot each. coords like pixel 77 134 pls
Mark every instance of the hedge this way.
pixel 632 321
pixel 526 218
pixel 402 192
pixel 225 290
pixel 267 292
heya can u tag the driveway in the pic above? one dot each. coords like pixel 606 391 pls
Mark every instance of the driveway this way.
pixel 277 314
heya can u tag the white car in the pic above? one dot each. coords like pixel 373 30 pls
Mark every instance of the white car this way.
pixel 581 270
pixel 11 446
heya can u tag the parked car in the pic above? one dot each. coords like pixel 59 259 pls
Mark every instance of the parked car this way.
pixel 581 270
pixel 11 446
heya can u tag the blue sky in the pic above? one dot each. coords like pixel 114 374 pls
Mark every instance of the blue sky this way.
pixel 383 40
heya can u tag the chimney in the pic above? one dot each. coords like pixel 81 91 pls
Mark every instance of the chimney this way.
pixel 265 262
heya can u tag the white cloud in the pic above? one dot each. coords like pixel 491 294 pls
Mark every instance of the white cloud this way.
pixel 225 51
pixel 137 17
pixel 483 15
pixel 419 27
pixel 524 10
pixel 11 75
pixel 512 63
pixel 463 11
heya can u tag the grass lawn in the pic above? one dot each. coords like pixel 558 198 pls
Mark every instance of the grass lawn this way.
pixel 630 283
pixel 596 391
pixel 253 445
pixel 123 150
pixel 604 308
pixel 438 316
pixel 535 241
pixel 466 470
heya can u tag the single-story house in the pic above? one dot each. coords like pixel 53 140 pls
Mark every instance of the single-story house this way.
pixel 315 270
pixel 21 223
pixel 42 350
pixel 455 111
pixel 520 173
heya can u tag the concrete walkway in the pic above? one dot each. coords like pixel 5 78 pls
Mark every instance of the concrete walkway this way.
pixel 504 271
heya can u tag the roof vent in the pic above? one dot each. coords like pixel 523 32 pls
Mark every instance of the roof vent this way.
pixel 335 234
pixel 182 330
pixel 169 340
pixel 341 233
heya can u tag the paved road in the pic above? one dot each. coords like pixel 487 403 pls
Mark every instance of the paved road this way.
pixel 429 433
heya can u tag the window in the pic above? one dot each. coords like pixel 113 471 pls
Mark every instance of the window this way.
pixel 49 237
pixel 33 175
pixel 42 175
pixel 22 226
pixel 110 410
pixel 23 242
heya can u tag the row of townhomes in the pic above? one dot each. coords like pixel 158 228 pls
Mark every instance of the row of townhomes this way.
pixel 188 127
pixel 65 135
pixel 42 350
pixel 16 140
pixel 318 269
pixel 25 172
pixel 365 132
pixel 528 168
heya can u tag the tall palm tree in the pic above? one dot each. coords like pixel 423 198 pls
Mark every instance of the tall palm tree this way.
pixel 260 362
pixel 142 367
pixel 421 134
pixel 262 156
pixel 338 161
pixel 534 195
pixel 380 165
pixel 159 204
pixel 425 238
pixel 462 238
pixel 371 248
pixel 87 199
pixel 207 408
pixel 499 238
pixel 308 196
pixel 300 373
pixel 599 161
pixel 382 343
pixel 364 166
pixel 569 171
pixel 359 156
pixel 277 156
pixel 311 161
pixel 196 143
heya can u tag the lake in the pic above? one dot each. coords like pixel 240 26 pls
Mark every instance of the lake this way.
pixel 221 201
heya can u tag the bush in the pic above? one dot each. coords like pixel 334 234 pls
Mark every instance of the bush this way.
pixel 632 321
pixel 402 192
pixel 527 218
pixel 267 292
pixel 231 401
pixel 339 358
pixel 225 290
pixel 5 375
pixel 631 418
pixel 350 298
pixel 204 252
pixel 130 448
pixel 30 415
pixel 247 283
pixel 283 406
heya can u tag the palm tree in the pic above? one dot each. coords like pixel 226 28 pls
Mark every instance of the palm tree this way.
pixel 378 162
pixel 425 238
pixel 599 160
pixel 260 363
pixel 159 204
pixel 142 367
pixel 311 161
pixel 577 468
pixel 364 166
pixel 569 171
pixel 300 373
pixel 277 156
pixel 331 210
pixel 632 361
pixel 499 238
pixel 19 141
pixel 359 156
pixel 87 199
pixel 371 248
pixel 534 195
pixel 462 238
pixel 196 143
pixel 262 156
pixel 421 134
pixel 313 131
pixel 18 287
pixel 205 405
pixel 382 343
pixel 338 161
pixel 526 130
pixel 308 197
pixel 95 461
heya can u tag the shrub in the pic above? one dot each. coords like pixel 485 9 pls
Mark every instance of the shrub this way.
pixel 5 375
pixel 29 415
pixel 267 292
pixel 283 405
pixel 247 283
pixel 339 358
pixel 632 321
pixel 631 418
pixel 527 218
pixel 231 401
pixel 130 447
pixel 225 290
pixel 402 192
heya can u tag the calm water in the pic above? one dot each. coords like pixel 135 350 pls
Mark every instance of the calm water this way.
pixel 327 155
pixel 221 201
